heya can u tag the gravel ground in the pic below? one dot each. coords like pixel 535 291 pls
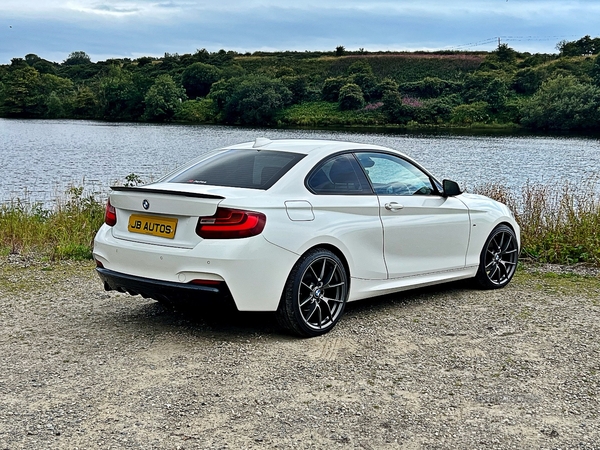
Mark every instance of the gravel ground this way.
pixel 439 368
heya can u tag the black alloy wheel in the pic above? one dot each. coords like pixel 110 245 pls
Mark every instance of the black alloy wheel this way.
pixel 315 294
pixel 498 260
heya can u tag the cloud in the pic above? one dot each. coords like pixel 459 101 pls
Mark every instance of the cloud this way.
pixel 112 10
pixel 130 28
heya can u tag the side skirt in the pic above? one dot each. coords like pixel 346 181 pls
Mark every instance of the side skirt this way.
pixel 361 288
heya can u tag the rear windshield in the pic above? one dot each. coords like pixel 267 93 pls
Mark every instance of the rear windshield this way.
pixel 243 168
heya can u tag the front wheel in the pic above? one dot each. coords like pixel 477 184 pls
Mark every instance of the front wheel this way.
pixel 498 260
pixel 315 294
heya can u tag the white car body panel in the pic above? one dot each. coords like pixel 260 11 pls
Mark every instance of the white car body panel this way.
pixel 485 214
pixel 426 234
pixel 335 224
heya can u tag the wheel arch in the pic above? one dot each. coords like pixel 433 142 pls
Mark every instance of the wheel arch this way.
pixel 295 317
pixel 337 252
pixel 510 225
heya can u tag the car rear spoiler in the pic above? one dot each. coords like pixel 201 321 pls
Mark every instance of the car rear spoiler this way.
pixel 141 190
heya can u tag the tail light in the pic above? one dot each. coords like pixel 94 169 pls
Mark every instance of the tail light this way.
pixel 110 216
pixel 231 224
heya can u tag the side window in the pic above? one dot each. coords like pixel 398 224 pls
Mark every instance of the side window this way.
pixel 392 175
pixel 339 175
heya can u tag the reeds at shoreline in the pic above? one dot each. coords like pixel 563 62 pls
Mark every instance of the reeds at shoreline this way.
pixel 559 224
pixel 65 231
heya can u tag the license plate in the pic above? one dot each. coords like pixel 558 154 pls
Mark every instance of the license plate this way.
pixel 154 226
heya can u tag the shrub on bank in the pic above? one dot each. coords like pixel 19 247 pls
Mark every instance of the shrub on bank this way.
pixel 351 97
pixel 196 111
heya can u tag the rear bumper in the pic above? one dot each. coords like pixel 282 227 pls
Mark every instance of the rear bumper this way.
pixel 253 270
pixel 163 291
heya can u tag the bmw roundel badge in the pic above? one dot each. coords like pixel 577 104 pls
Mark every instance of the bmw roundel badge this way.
pixel 146 204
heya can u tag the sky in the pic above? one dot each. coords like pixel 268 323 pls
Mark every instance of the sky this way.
pixel 104 29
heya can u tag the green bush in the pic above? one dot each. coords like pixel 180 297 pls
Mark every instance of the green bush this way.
pixel 563 103
pixel 250 100
pixel 198 78
pixel 118 96
pixel 327 114
pixel 361 74
pixel 298 86
pixel 351 97
pixel 528 80
pixel 431 87
pixel 486 87
pixel 54 107
pixel 387 85
pixel 199 111
pixel 331 88
pixel 163 99
pixel 400 110
pixel 436 111
pixel 595 72
pixel 469 114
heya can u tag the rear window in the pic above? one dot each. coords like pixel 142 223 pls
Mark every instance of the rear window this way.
pixel 243 168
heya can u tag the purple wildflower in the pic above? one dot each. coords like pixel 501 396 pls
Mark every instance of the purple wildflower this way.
pixel 373 106
pixel 412 101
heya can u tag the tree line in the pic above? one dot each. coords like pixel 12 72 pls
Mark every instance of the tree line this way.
pixel 503 87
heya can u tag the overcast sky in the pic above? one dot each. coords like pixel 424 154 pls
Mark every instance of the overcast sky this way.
pixel 132 28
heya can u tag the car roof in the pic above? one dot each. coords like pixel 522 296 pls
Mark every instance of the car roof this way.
pixel 307 146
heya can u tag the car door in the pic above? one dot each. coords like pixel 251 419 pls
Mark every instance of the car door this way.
pixel 424 232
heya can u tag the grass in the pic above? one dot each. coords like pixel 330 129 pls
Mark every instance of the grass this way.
pixel 560 283
pixel 63 232
pixel 326 114
pixel 559 224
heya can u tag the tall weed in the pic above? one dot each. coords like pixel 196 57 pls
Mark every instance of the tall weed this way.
pixel 65 231
pixel 559 224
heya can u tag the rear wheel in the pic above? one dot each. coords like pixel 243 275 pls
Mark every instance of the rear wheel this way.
pixel 315 294
pixel 498 260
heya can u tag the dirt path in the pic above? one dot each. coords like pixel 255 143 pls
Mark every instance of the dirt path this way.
pixel 442 368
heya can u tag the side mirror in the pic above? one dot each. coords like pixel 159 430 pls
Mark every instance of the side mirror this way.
pixel 451 188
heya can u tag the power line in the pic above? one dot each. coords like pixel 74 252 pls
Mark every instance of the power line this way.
pixel 512 39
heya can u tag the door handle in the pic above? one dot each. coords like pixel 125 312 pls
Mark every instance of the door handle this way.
pixel 393 206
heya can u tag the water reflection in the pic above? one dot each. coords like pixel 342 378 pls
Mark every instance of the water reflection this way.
pixel 40 159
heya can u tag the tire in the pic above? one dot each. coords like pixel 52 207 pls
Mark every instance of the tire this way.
pixel 315 294
pixel 498 259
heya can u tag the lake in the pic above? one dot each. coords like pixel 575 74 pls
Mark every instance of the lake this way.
pixel 42 158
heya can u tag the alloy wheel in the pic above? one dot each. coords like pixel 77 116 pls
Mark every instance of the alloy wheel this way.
pixel 322 293
pixel 501 257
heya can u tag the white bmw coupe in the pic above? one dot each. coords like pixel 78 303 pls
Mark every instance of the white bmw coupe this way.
pixel 300 227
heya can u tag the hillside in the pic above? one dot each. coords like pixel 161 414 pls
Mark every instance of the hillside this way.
pixel 502 88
